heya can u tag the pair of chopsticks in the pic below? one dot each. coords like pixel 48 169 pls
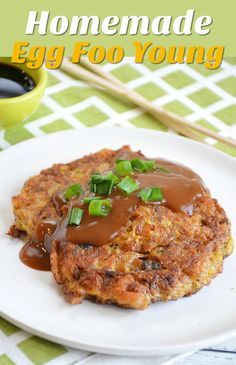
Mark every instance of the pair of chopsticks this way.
pixel 98 76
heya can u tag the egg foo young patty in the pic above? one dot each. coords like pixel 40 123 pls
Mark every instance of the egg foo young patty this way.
pixel 163 249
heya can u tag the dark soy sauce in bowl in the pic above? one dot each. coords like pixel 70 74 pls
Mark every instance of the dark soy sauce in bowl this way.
pixel 14 82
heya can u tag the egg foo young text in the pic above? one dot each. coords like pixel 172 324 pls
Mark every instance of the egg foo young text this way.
pixel 43 23
pixel 35 56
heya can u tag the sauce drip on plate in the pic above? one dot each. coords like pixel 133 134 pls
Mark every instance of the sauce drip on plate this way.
pixel 180 187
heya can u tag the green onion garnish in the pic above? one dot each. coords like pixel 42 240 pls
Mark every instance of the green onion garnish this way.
pixel 162 169
pixel 120 159
pixel 151 194
pixel 90 198
pixel 99 207
pixel 103 184
pixel 73 191
pixel 128 185
pixel 75 216
pixel 123 167
pixel 142 165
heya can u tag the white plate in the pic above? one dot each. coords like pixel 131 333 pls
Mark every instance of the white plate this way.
pixel 30 298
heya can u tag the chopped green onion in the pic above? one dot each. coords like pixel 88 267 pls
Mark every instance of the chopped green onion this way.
pixel 142 165
pixel 99 207
pixel 88 199
pixel 123 167
pixel 75 216
pixel 150 164
pixel 128 185
pixel 72 191
pixel 162 169
pixel 151 194
pixel 103 184
pixel 120 159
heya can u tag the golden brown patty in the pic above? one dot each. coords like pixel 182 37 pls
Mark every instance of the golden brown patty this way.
pixel 33 203
pixel 158 255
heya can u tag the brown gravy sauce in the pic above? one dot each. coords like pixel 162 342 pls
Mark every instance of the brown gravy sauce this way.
pixel 180 188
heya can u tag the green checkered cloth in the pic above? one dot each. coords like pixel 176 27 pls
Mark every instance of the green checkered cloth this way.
pixel 201 96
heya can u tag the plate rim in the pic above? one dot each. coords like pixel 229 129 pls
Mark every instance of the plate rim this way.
pixel 129 350
pixel 167 134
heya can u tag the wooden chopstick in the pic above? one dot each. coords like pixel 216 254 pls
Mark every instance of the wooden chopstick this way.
pixel 108 76
pixel 100 71
pixel 109 82
pixel 103 73
pixel 119 89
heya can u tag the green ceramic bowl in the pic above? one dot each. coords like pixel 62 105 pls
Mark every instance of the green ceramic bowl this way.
pixel 17 109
